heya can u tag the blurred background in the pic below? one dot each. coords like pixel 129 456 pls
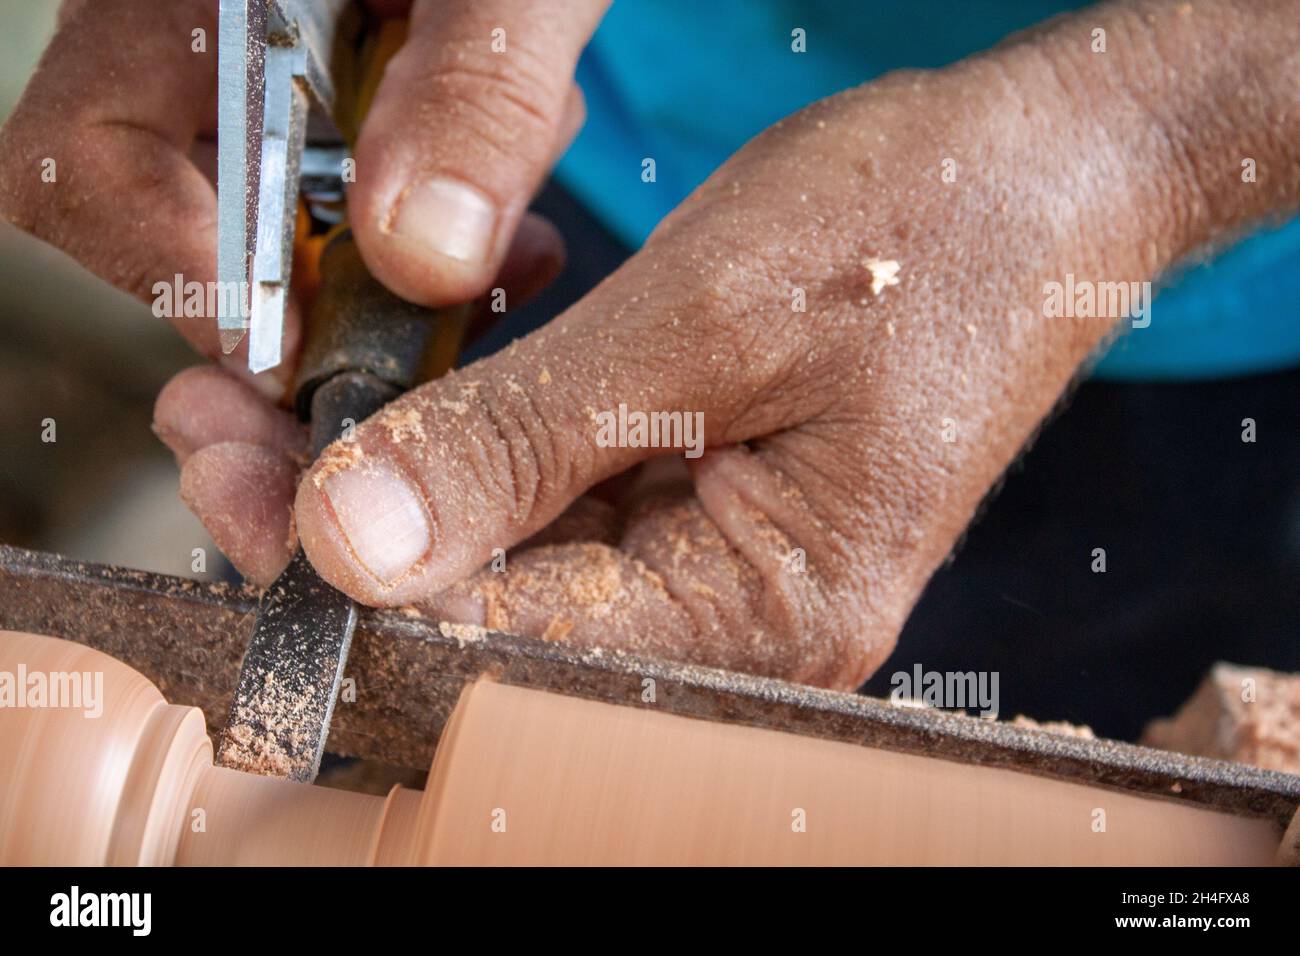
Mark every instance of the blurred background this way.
pixel 79 352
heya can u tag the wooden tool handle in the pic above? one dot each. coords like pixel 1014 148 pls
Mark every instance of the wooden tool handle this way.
pixel 357 325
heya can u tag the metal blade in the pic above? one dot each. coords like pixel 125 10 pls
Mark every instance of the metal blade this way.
pixel 241 53
pixel 283 129
pixel 273 82
pixel 290 677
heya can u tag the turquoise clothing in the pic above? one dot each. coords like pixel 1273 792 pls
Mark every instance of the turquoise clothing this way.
pixel 688 82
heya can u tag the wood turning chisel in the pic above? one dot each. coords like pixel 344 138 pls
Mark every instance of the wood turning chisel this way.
pixel 295 80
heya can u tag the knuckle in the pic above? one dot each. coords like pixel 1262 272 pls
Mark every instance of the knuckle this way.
pixel 727 267
pixel 739 318
pixel 23 201
pixel 520 467
pixel 508 102
pixel 819 628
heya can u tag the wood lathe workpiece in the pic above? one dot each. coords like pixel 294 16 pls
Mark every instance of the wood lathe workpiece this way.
pixel 527 777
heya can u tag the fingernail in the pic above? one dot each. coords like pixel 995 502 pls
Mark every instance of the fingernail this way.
pixel 268 385
pixel 446 216
pixel 382 517
pixel 175 441
pixel 264 383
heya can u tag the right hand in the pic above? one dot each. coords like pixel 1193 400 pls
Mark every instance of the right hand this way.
pixel 457 141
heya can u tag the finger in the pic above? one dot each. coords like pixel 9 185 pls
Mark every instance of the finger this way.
pixel 587 520
pixel 95 157
pixel 462 130
pixel 571 123
pixel 587 594
pixel 243 494
pixel 488 456
pixel 204 406
pixel 535 258
pixel 742 576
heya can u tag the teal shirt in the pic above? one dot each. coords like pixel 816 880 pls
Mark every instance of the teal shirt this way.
pixel 688 82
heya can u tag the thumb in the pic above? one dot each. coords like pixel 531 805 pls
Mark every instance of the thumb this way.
pixel 428 488
pixel 464 126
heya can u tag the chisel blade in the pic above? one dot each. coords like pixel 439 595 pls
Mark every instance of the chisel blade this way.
pixel 289 680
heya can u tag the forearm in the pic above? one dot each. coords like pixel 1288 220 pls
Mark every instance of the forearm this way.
pixel 1199 103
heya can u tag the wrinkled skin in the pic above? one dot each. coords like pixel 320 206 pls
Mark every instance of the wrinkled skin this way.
pixel 848 444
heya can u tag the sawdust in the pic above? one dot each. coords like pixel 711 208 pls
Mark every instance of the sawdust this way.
pixel 558 629
pixel 402 424
pixel 559 587
pixel 496 616
pixel 1247 714
pixel 337 457
pixel 1082 731
pixel 264 736
pixel 462 633
pixel 291 537
pixel 884 272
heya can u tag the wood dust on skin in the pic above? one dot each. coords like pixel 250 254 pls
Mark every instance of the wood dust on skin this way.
pixel 884 272
pixel 401 423
pixel 568 584
pixel 680 590
pixel 339 456
pixel 676 589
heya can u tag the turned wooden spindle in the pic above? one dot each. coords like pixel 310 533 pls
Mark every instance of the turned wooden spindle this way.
pixel 523 776
pixel 135 785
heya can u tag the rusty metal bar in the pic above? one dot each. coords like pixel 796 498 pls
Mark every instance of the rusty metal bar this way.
pixel 408 670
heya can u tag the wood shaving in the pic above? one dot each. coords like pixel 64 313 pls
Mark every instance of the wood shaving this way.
pixel 462 633
pixel 884 272
pixel 402 424
pixel 337 457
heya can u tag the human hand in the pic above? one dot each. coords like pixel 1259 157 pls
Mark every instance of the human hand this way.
pixel 850 441
pixel 457 140
pixel 829 490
